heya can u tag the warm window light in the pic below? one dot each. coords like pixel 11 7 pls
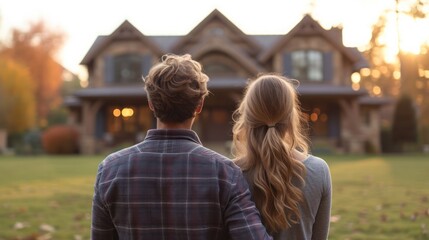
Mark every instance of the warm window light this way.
pixel 127 112
pixel 314 117
pixel 355 77
pixel 117 112
pixel 365 72
pixel 426 73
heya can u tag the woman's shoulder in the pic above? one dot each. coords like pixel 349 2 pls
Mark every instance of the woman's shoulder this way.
pixel 316 162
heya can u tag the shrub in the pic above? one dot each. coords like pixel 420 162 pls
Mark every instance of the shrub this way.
pixel 61 139
pixel 404 127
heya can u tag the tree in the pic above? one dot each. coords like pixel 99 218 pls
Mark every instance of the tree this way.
pixel 404 128
pixel 17 105
pixel 36 49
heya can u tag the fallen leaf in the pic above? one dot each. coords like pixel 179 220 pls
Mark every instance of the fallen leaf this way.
pixel 19 225
pixel 47 228
pixel 335 218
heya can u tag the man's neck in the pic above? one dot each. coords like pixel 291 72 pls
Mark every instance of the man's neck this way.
pixel 187 124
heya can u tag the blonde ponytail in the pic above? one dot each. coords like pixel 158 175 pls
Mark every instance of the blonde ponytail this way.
pixel 267 132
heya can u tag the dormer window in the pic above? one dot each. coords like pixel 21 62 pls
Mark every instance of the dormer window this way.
pixel 126 68
pixel 307 65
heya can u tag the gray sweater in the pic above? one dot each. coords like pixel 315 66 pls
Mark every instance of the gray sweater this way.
pixel 316 208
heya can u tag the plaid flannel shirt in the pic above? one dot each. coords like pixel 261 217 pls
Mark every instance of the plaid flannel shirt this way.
pixel 171 187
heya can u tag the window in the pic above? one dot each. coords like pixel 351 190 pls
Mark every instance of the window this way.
pixel 128 68
pixel 307 65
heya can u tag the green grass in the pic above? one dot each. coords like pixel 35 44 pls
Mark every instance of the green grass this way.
pixel 56 191
pixel 380 197
pixel 374 197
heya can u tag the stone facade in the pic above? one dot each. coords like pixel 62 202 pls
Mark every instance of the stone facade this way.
pixel 113 108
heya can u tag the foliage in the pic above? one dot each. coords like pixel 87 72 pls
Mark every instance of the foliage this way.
pixel 70 84
pixel 17 105
pixel 382 72
pixel 57 116
pixel 61 139
pixel 404 128
pixel 36 49
pixel 26 143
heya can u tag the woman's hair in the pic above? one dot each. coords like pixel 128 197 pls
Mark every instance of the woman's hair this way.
pixel 175 87
pixel 268 131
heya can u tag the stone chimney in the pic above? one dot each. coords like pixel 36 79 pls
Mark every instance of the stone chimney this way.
pixel 337 33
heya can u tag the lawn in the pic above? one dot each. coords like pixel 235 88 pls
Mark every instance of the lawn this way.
pixel 374 197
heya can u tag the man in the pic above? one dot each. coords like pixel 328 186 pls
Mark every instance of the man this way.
pixel 169 186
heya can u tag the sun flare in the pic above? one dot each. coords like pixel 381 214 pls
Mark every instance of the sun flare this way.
pixel 412 36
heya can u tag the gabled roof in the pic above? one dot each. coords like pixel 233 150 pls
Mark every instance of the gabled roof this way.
pixel 237 54
pixel 308 26
pixel 216 14
pixel 126 31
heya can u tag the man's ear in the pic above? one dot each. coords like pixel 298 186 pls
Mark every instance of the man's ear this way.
pixel 200 106
pixel 150 105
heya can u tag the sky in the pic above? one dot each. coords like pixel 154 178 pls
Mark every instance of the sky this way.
pixel 83 20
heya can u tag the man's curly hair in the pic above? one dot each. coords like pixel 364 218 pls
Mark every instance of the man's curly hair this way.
pixel 175 87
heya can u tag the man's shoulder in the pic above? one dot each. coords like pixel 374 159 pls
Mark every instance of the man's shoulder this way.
pixel 118 156
pixel 212 154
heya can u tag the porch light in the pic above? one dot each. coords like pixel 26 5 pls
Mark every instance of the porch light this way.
pixel 117 112
pixel 127 112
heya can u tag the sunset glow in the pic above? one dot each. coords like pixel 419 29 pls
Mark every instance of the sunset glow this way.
pixel 413 35
pixel 267 17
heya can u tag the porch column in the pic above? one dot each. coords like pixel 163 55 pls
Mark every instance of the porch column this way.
pixel 351 126
pixel 3 140
pixel 87 139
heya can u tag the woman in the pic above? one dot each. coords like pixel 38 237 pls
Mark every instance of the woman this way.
pixel 291 188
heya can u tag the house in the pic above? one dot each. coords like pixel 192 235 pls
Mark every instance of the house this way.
pixel 113 108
